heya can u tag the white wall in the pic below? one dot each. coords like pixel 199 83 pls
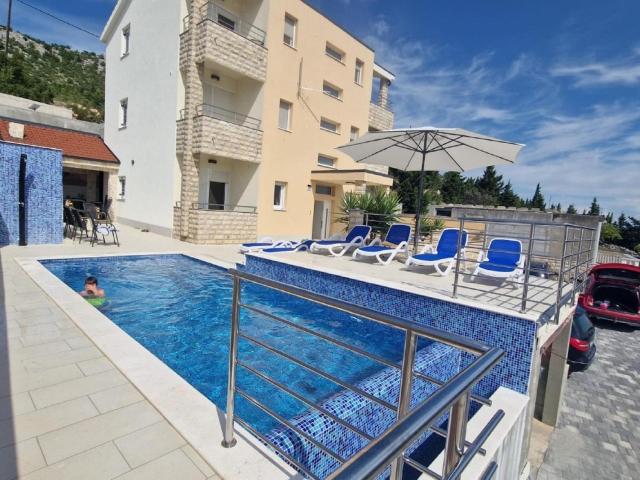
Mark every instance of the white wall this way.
pixel 149 77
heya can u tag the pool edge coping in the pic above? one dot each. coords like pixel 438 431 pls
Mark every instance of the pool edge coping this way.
pixel 194 416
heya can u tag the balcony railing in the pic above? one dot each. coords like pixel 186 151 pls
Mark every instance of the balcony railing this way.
pixel 226 207
pixel 215 13
pixel 452 396
pixel 225 115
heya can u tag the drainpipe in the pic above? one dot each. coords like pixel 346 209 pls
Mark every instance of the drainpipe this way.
pixel 22 199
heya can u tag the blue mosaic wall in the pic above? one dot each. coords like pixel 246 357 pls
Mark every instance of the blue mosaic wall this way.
pixel 43 194
pixel 514 335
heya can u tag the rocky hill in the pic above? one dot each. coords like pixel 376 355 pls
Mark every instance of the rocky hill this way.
pixel 54 74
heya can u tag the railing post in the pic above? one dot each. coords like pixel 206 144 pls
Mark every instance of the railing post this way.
pixel 229 441
pixel 561 275
pixel 527 268
pixel 404 401
pixel 456 433
pixel 455 279
pixel 577 269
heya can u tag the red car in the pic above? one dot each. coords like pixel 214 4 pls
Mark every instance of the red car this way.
pixel 612 292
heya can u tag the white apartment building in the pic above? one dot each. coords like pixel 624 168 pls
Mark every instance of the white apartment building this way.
pixel 225 115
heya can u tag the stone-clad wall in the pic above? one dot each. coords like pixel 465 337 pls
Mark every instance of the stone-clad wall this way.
pixel 380 118
pixel 222 227
pixel 230 50
pixel 216 137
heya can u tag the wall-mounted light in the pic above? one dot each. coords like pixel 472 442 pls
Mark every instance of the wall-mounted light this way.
pixel 133 162
pixel 213 161
pixel 215 77
pixel 309 188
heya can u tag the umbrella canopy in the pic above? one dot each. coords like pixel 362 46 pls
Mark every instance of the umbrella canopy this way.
pixel 431 149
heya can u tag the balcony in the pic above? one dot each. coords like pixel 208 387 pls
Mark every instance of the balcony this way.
pixel 227 134
pixel 222 38
pixel 218 224
pixel 380 118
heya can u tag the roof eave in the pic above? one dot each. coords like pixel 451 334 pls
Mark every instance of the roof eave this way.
pixel 114 18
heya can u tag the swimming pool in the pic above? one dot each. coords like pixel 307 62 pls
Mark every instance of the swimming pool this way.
pixel 179 309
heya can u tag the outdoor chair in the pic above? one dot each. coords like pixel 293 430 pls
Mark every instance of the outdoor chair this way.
pixel 444 254
pixel 337 246
pixel 396 241
pixel 503 259
pixel 103 228
pixel 69 223
pixel 80 227
pixel 106 208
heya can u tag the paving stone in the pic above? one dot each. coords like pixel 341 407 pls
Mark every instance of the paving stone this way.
pixel 76 388
pixel 116 397
pixel 175 465
pixel 15 405
pixel 101 463
pixel 95 365
pixel 62 358
pixel 24 381
pixel 89 433
pixel 199 462
pixel 20 459
pixel 38 422
pixel 149 443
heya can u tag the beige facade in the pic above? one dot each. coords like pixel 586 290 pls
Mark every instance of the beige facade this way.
pixel 235 156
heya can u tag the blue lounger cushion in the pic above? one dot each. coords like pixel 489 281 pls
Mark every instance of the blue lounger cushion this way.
pixel 432 257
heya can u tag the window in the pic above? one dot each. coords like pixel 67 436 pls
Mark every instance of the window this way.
pixel 326 161
pixel 124 111
pixel 334 53
pixel 354 134
pixel 358 72
pixel 284 116
pixel 324 190
pixel 332 90
pixel 329 125
pixel 123 184
pixel 290 30
pixel 226 21
pixel 279 191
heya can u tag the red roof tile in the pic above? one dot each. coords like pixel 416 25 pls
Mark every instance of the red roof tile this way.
pixel 74 144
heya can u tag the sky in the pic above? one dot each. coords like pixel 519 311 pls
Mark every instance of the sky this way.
pixel 562 77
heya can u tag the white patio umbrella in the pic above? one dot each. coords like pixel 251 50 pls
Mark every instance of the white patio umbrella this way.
pixel 431 149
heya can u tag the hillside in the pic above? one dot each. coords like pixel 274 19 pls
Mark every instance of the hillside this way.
pixel 54 74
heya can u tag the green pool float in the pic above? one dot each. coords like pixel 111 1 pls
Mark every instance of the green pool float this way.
pixel 96 301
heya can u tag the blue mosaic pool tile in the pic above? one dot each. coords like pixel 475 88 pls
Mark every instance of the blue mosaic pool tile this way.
pixel 43 194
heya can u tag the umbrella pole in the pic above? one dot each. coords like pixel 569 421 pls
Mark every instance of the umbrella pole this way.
pixel 416 232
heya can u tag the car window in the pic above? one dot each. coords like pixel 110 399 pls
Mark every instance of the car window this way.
pixel 581 326
pixel 618 274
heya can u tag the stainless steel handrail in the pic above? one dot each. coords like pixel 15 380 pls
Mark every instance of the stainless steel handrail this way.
pixel 468 377
pixel 226 207
pixel 211 11
pixel 229 116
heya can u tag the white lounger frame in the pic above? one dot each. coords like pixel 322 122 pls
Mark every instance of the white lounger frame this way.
pixel 430 248
pixel 516 274
pixel 402 247
pixel 340 247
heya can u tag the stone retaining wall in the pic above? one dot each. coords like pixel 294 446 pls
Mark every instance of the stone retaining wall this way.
pixel 221 227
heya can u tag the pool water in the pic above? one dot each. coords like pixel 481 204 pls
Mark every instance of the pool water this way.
pixel 179 309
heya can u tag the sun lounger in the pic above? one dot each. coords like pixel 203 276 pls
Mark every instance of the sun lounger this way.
pixel 396 241
pixel 291 247
pixel 504 259
pixel 263 243
pixel 338 247
pixel 444 254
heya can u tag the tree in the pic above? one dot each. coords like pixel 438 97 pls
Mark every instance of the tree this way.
pixel 609 233
pixel 537 201
pixel 509 198
pixel 453 187
pixel 609 217
pixel 594 209
pixel 559 208
pixel 406 186
pixel 571 210
pixel 490 182
pixel 622 220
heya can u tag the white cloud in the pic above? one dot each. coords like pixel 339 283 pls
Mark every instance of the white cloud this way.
pixel 625 71
pixel 575 154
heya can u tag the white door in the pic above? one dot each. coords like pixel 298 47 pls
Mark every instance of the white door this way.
pixel 321 219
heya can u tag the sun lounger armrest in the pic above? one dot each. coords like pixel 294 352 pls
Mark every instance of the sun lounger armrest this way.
pixel 375 241
pixel 429 248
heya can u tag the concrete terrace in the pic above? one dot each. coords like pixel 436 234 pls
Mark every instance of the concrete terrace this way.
pixel 67 412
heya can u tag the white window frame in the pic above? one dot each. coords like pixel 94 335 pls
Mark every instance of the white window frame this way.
pixel 356 131
pixel 125 41
pixel 336 54
pixel 331 122
pixel 123 113
pixel 122 187
pixel 325 165
pixel 294 38
pixel 327 90
pixel 289 114
pixel 359 72
pixel 281 205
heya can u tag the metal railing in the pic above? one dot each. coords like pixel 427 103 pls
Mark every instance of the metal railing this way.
pixel 453 396
pixel 215 13
pixel 564 251
pixel 225 115
pixel 227 207
pixel 612 257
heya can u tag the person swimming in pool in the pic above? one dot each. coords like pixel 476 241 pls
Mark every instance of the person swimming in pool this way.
pixel 91 288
